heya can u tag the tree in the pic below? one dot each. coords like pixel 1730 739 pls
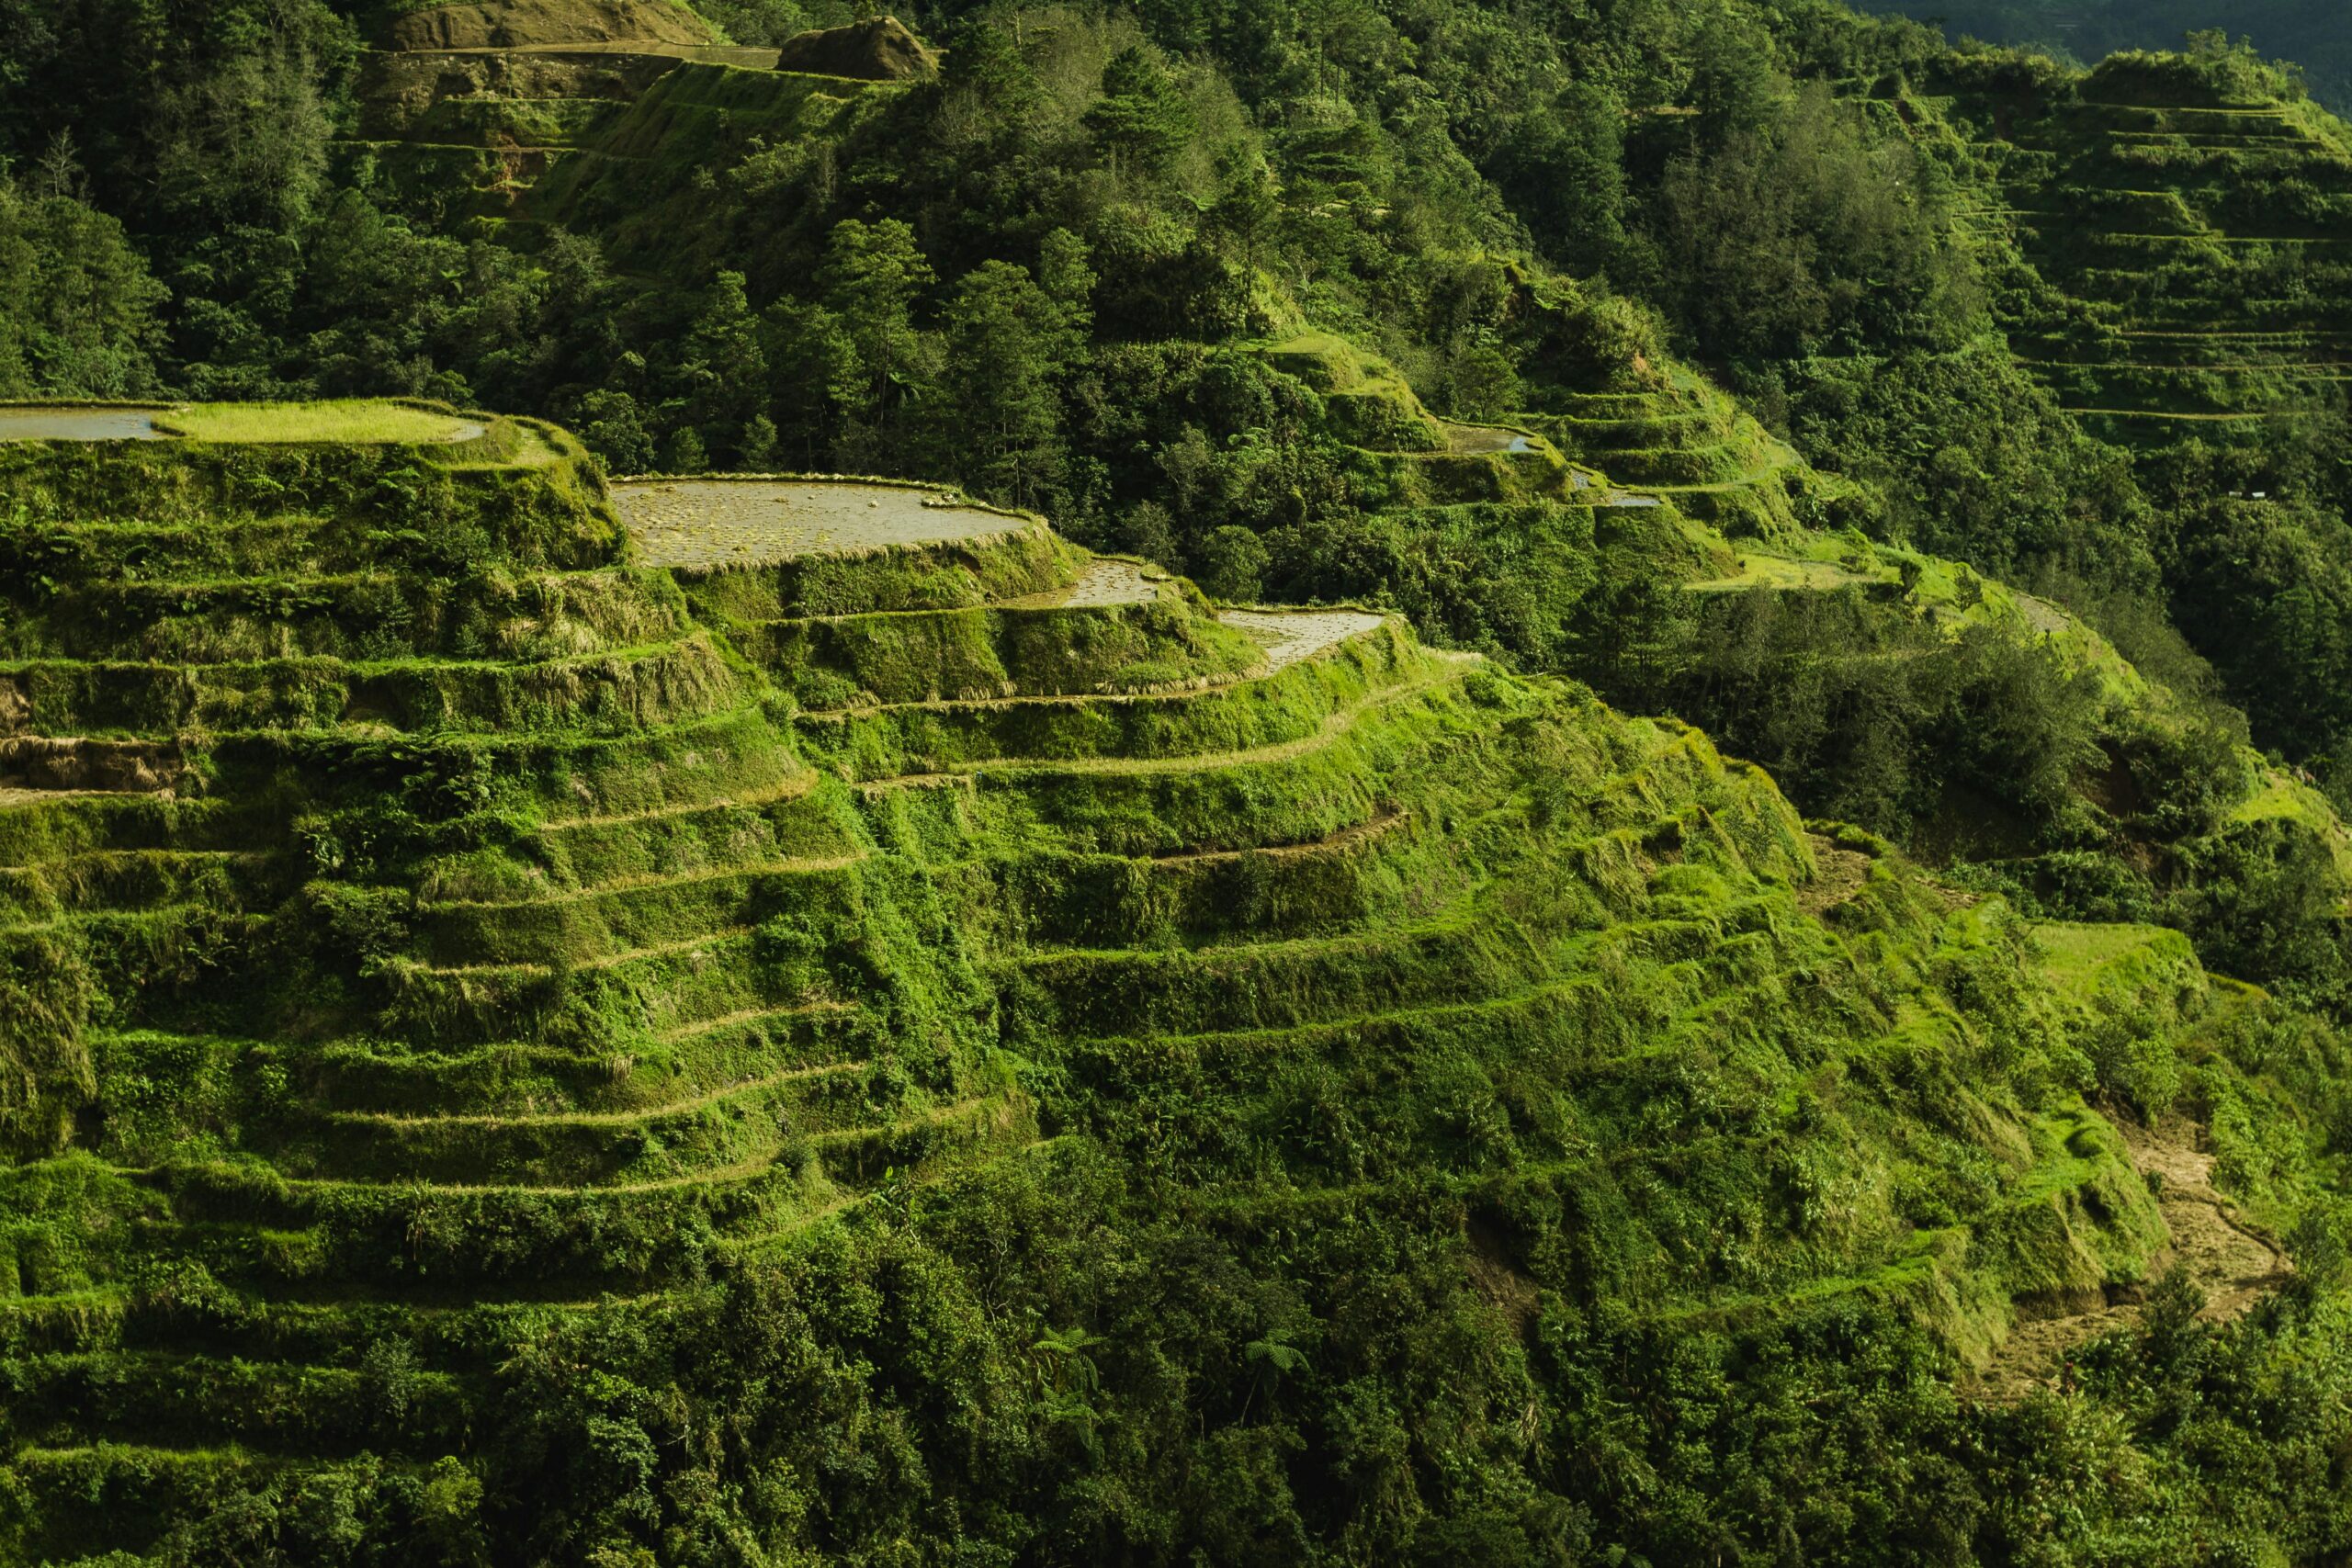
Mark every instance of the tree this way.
pixel 1007 342
pixel 870 279
pixel 1246 207
pixel 1063 271
pixel 1564 169
pixel 1142 122
pixel 246 142
pixel 814 358
pixel 722 371
pixel 77 307
pixel 1233 562
pixel 609 423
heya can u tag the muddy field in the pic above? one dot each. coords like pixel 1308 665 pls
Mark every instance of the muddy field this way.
pixel 1292 636
pixel 1103 582
pixel 711 523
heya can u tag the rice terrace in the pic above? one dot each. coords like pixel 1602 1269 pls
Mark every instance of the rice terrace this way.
pixel 1047 784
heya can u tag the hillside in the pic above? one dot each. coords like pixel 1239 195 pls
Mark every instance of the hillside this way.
pixel 2188 240
pixel 1361 784
pixel 470 946
pixel 2306 32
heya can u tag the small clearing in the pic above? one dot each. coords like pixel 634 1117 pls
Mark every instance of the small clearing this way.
pixel 2232 1265
pixel 1293 635
pixel 2042 615
pixel 705 523
pixel 1780 571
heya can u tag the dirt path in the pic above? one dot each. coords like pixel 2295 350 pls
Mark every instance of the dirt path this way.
pixel 2231 1264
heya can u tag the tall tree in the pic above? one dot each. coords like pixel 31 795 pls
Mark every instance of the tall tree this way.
pixel 872 275
pixel 723 371
pixel 1007 342
pixel 1143 120
pixel 77 307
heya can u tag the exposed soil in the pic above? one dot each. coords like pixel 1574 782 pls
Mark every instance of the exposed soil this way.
pixel 2231 1264
pixel 879 49
pixel 2045 618
pixel 1301 633
pixel 76 765
pixel 1507 1288
pixel 1841 875
pixel 396 90
pixel 520 24
pixel 716 522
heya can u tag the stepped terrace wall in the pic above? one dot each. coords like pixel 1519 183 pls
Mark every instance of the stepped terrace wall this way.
pixel 347 1060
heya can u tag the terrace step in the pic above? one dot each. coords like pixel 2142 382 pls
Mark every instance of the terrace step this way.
pixel 1335 726
pixel 686 678
pixel 614 1150
pixel 580 925
pixel 412 1239
pixel 83 1399
pixel 1294 692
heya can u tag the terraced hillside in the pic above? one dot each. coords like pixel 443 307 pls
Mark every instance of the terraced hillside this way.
pixel 463 108
pixel 2192 247
pixel 430 927
pixel 466 112
pixel 1622 430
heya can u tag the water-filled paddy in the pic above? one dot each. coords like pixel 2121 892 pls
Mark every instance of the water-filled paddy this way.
pixel 79 424
pixel 1293 635
pixel 712 523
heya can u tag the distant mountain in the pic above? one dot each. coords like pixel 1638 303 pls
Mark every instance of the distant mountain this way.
pixel 2312 33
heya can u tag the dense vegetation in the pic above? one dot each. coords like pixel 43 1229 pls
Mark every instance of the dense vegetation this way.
pixel 558 1060
pixel 2308 32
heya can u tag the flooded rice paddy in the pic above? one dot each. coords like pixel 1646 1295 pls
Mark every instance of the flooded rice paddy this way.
pixel 713 522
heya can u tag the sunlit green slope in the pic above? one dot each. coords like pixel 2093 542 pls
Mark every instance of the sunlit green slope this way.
pixel 434 935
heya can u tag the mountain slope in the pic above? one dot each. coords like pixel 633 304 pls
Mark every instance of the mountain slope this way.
pixel 577 954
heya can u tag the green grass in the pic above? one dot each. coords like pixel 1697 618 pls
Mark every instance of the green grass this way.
pixel 2278 797
pixel 358 420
